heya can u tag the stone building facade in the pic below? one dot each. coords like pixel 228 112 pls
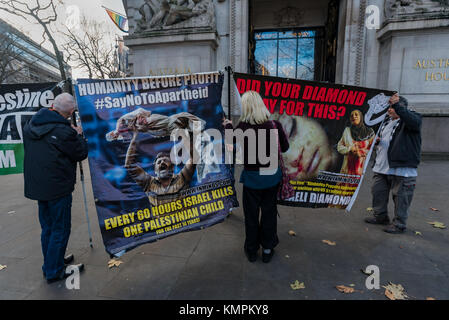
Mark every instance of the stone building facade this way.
pixel 400 45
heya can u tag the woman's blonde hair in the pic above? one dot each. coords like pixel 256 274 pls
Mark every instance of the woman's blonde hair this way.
pixel 254 110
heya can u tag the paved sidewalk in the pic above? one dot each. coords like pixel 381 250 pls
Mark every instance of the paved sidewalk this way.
pixel 210 264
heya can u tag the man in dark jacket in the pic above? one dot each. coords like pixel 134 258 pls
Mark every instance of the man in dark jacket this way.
pixel 52 149
pixel 398 155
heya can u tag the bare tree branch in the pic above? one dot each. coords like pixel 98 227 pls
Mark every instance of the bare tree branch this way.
pixel 92 49
pixel 44 14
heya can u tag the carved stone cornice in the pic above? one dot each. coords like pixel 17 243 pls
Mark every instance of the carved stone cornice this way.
pixel 165 17
pixel 407 10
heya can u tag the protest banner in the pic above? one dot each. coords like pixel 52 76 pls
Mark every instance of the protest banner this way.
pixel 331 130
pixel 146 185
pixel 18 103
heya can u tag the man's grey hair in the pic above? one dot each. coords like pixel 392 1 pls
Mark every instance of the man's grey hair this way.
pixel 64 103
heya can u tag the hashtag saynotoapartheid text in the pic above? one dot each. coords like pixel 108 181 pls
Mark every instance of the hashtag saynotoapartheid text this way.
pixel 146 98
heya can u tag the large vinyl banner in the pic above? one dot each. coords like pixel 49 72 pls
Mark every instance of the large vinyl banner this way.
pixel 18 103
pixel 331 130
pixel 145 184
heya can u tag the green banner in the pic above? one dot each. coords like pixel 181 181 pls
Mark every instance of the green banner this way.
pixel 11 158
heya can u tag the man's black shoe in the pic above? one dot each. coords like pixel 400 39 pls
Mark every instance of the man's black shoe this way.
pixel 252 256
pixel 80 267
pixel 394 230
pixel 266 257
pixel 68 258
pixel 61 277
pixel 66 273
pixel 374 220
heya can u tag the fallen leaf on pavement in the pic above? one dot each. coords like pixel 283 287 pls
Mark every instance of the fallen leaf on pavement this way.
pixel 418 233
pixel 345 289
pixel 395 291
pixel 114 263
pixel 434 209
pixel 2 267
pixel 437 224
pixel 389 294
pixel 430 298
pixel 296 285
pixel 292 233
pixel 331 243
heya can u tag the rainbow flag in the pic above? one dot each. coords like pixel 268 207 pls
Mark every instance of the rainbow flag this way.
pixel 119 20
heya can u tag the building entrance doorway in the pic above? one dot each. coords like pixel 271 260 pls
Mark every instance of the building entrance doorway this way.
pixel 293 41
pixel 289 53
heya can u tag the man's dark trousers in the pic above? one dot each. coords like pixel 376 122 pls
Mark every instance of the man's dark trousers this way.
pixel 402 189
pixel 55 220
pixel 263 202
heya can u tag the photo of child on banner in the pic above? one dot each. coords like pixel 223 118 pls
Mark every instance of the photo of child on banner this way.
pixel 331 129
pixel 144 134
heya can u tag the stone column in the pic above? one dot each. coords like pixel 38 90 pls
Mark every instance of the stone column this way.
pixel 239 17
pixel 238 48
pixel 352 62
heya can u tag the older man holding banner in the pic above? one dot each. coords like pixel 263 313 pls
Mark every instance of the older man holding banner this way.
pixel 52 149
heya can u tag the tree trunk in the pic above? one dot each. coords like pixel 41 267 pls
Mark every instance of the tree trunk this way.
pixel 58 54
